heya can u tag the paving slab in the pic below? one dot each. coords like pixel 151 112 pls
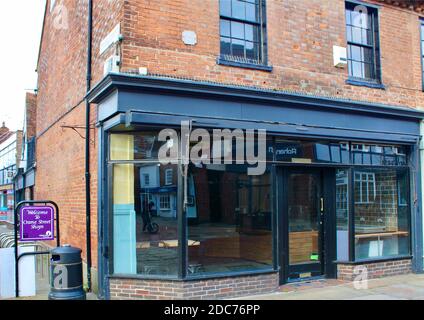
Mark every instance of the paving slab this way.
pixel 377 297
pixel 405 287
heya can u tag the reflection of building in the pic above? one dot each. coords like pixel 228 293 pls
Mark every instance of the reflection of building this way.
pixel 10 150
pixel 159 188
pixel 25 179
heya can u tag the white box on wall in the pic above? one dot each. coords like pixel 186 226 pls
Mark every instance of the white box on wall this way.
pixel 339 56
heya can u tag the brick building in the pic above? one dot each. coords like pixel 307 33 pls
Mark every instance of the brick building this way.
pixel 10 149
pixel 25 178
pixel 337 85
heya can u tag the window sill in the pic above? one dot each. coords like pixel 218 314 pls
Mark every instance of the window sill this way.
pixel 365 83
pixel 374 260
pixel 246 65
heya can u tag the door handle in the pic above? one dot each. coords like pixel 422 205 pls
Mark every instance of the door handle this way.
pixel 322 204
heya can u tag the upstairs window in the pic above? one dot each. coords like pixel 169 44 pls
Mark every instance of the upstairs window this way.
pixel 242 31
pixel 363 52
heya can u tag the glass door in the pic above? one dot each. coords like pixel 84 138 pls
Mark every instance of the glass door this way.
pixel 305 221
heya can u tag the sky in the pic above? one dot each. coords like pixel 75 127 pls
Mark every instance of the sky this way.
pixel 20 32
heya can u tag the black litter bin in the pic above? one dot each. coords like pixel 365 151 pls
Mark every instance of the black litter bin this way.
pixel 66 280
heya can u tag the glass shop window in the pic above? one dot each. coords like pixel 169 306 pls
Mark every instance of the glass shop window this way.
pixel 378 155
pixel 342 214
pixel 135 146
pixel 381 213
pixel 145 237
pixel 229 217
pixel 144 209
pixel 311 152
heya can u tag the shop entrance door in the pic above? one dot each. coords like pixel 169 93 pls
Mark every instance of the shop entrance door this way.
pixel 306 223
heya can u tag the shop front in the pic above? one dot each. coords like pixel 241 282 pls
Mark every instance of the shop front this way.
pixel 338 192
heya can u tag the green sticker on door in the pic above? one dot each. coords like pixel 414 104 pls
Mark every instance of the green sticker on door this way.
pixel 314 257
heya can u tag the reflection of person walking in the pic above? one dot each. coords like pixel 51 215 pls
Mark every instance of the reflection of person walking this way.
pixel 145 214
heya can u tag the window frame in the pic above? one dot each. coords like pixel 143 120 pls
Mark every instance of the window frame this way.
pixel 373 12
pixel 352 217
pixel 161 202
pixel 169 177
pixel 367 181
pixel 261 24
pixel 146 179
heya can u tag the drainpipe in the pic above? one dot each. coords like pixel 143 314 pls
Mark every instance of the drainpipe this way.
pixel 87 146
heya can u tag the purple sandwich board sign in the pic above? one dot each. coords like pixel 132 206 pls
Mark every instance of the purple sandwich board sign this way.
pixel 36 223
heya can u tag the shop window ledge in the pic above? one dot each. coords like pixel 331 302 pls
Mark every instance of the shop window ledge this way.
pixel 374 260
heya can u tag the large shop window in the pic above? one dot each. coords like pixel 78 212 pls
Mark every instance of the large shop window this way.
pixel 229 214
pixel 230 220
pixel 381 213
pixel 144 221
pixel 145 229
pixel 342 214
pixel 311 151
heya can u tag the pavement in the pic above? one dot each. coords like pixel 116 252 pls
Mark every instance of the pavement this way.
pixel 405 287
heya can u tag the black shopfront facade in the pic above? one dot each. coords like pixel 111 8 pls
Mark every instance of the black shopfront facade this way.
pixel 341 187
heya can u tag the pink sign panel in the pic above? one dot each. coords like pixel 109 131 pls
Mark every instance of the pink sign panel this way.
pixel 36 224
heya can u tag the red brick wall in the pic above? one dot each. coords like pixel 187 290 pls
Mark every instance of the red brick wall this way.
pixel 225 288
pixel 19 140
pixel 62 86
pixel 301 35
pixel 31 114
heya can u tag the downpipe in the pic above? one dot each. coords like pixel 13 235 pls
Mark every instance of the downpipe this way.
pixel 87 146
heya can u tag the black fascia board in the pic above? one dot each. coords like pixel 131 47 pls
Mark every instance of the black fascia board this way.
pixel 124 82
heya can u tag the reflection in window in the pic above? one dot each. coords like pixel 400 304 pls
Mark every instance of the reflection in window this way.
pixel 315 152
pixel 135 146
pixel 145 221
pixel 379 155
pixel 381 224
pixel 364 187
pixel 229 220
pixel 303 214
pixel 342 214
pixel 169 175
